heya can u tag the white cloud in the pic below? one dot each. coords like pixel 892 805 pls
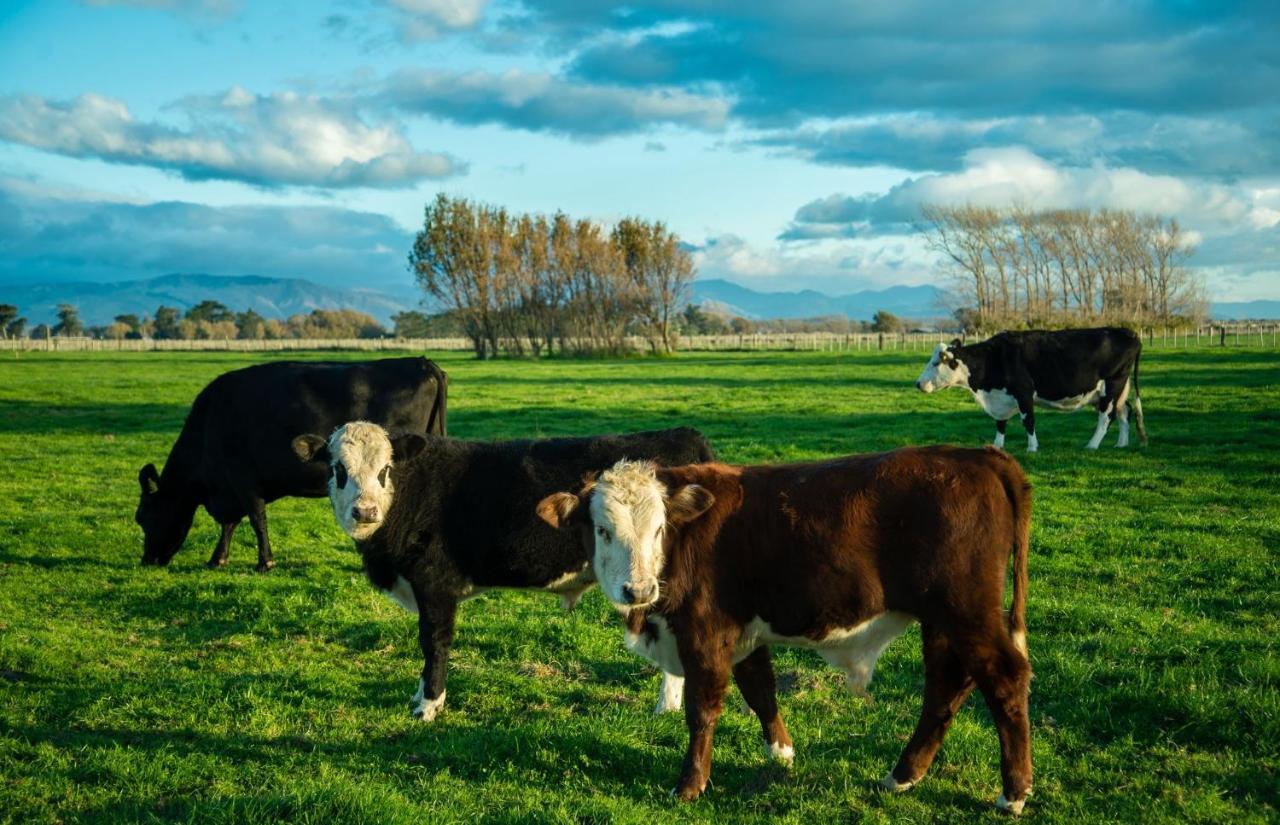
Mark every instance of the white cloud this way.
pixel 542 102
pixel 265 140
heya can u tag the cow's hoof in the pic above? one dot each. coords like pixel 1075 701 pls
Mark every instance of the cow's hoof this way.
pixel 264 566
pixel 687 794
pixel 1012 808
pixel 426 710
pixel 891 784
pixel 214 564
pixel 784 755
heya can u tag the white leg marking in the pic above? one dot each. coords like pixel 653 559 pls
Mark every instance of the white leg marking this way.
pixel 1104 419
pixel 783 754
pixel 424 708
pixel 1008 807
pixel 1032 443
pixel 1123 439
pixel 894 785
pixel 999 442
pixel 670 694
pixel 402 594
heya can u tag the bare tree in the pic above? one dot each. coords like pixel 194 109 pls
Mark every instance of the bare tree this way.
pixel 1019 267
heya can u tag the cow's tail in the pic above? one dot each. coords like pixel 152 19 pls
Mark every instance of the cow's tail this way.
pixel 1018 490
pixel 1137 401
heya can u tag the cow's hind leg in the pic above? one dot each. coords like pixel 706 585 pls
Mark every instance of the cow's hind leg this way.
pixel 1105 408
pixel 219 557
pixel 1003 675
pixel 755 679
pixel 1001 424
pixel 946 686
pixel 1120 389
pixel 258 520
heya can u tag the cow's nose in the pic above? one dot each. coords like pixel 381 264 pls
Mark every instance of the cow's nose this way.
pixel 919 386
pixel 365 514
pixel 639 593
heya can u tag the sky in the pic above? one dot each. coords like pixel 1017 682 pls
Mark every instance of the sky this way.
pixel 789 144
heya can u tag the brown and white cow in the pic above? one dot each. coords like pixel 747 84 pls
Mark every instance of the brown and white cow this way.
pixel 712 563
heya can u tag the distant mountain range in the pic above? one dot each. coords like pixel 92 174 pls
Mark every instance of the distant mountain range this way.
pixel 99 303
pixel 729 298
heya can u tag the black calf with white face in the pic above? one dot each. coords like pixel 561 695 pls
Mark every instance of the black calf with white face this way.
pixel 1013 373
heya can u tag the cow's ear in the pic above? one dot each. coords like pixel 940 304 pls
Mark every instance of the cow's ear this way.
pixel 560 509
pixel 955 342
pixel 687 503
pixel 406 445
pixel 149 480
pixel 311 448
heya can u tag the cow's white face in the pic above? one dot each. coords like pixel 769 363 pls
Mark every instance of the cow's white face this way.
pixel 628 518
pixel 360 487
pixel 944 370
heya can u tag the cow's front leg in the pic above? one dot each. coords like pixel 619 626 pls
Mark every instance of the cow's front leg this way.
pixel 219 557
pixel 1027 411
pixel 1001 424
pixel 258 520
pixel 435 636
pixel 707 665
pixel 670 694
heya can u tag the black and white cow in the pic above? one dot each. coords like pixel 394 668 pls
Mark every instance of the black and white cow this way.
pixel 1011 373
pixel 438 520
pixel 232 456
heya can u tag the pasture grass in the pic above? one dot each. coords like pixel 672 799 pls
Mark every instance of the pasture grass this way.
pixel 132 694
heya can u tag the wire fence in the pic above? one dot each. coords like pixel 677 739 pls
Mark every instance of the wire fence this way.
pixel 1265 335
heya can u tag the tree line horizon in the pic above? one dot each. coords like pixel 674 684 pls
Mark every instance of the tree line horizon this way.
pixel 533 284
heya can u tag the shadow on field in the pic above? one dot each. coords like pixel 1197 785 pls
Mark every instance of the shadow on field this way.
pixel 850 380
pixel 34 418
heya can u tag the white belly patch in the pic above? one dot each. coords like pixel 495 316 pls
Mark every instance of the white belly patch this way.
pixel 402 594
pixel 998 403
pixel 1073 402
pixel 851 649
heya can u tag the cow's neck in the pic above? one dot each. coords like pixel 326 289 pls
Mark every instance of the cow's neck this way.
pixel 984 372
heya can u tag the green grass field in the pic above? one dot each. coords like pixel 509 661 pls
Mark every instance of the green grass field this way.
pixel 227 696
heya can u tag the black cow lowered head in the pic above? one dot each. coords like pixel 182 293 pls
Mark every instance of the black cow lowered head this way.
pixel 165 518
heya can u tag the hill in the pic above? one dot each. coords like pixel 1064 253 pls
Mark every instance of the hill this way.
pixel 729 298
pixel 99 303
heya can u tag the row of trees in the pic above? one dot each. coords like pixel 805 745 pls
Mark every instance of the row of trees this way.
pixel 1022 267
pixel 532 283
pixel 205 320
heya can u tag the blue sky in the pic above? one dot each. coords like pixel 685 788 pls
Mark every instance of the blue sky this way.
pixel 790 143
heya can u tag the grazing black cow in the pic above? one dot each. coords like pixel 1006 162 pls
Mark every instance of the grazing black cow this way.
pixel 233 454
pixel 438 520
pixel 1012 372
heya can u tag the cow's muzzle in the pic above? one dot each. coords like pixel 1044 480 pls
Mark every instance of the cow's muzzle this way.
pixel 640 594
pixel 365 514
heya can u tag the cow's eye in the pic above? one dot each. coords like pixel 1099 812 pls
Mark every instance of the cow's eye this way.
pixel 340 475
pixel 382 476
pixel 602 533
